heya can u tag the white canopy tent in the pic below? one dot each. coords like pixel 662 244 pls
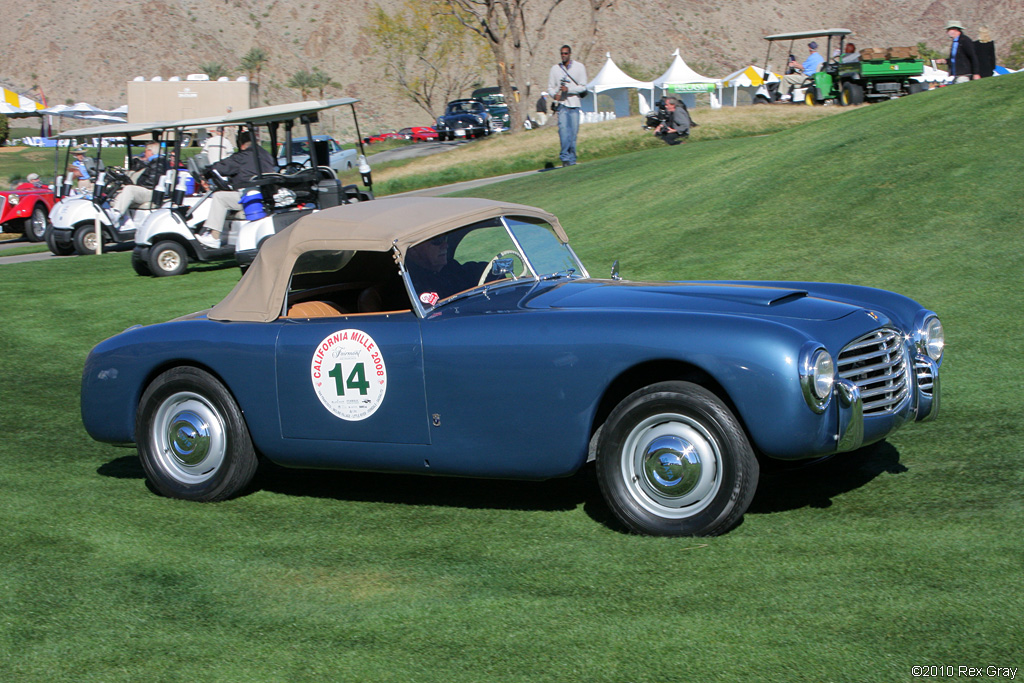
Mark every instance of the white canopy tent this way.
pixel 615 83
pixel 745 82
pixel 683 82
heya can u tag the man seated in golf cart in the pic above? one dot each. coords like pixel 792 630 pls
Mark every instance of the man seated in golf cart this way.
pixel 802 72
pixel 238 169
pixel 149 169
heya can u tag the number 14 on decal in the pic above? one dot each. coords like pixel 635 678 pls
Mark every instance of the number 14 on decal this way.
pixel 355 380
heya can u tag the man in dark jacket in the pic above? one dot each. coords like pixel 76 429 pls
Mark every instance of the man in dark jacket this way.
pixel 239 168
pixel 963 61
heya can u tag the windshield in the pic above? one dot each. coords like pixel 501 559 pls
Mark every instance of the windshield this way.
pixel 485 254
pixel 464 108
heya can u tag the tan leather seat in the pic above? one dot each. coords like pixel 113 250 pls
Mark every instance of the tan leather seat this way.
pixel 315 309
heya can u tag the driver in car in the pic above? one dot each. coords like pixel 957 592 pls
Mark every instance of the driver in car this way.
pixel 435 276
pixel 239 169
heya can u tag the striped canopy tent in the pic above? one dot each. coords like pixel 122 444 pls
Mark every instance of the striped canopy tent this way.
pixel 14 104
pixel 684 83
pixel 615 83
pixel 747 80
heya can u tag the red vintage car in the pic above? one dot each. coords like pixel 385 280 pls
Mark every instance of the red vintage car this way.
pixel 26 211
pixel 423 134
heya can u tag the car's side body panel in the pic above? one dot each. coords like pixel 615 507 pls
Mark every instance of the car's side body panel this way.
pixel 508 382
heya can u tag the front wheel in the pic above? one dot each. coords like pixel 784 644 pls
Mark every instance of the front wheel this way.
pixel 192 438
pixel 167 258
pixel 673 460
pixel 84 239
pixel 35 225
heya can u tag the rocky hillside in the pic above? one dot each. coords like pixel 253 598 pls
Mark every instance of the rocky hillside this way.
pixel 88 49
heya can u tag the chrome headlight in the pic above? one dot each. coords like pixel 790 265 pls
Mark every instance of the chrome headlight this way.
pixel 817 375
pixel 929 337
pixel 13 199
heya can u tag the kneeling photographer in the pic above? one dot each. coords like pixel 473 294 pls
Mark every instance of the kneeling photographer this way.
pixel 673 121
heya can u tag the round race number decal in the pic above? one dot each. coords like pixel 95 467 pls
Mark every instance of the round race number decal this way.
pixel 348 374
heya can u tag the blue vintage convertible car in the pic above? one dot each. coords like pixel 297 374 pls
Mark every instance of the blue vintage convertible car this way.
pixel 464 337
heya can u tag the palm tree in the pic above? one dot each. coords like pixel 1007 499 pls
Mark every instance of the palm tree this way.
pixel 214 70
pixel 320 80
pixel 253 63
pixel 303 81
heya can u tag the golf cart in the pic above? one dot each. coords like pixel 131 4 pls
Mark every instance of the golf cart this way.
pixel 74 218
pixel 278 197
pixel 872 75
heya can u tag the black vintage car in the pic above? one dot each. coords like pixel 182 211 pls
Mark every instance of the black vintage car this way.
pixel 464 119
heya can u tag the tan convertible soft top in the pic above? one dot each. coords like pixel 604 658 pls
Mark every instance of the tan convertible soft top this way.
pixel 368 226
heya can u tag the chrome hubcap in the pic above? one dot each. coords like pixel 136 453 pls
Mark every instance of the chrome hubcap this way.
pixel 89 240
pixel 169 259
pixel 189 437
pixel 672 465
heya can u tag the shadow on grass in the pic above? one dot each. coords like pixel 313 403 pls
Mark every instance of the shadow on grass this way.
pixel 782 486
pixel 416 489
pixel 785 487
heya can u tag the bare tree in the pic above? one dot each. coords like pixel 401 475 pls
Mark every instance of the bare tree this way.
pixel 428 55
pixel 514 36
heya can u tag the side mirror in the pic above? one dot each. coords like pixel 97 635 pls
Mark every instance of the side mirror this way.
pixel 615 270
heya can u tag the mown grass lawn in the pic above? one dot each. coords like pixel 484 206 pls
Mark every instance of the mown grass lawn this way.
pixel 905 553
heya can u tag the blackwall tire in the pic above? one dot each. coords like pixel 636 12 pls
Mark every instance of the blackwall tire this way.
pixel 673 460
pixel 139 264
pixel 58 248
pixel 167 258
pixel 192 438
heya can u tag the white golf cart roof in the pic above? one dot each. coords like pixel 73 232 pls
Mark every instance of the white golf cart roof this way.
pixel 261 115
pixel 114 130
pixel 821 33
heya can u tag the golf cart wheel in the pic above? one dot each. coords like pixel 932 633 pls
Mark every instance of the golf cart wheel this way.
pixel 673 460
pixel 167 258
pixel 84 239
pixel 915 87
pixel 851 94
pixel 192 437
pixel 58 248
pixel 811 97
pixel 35 225
pixel 139 263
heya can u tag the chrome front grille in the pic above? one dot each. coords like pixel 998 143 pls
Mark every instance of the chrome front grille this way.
pixel 877 364
pixel 925 379
pixel 3 203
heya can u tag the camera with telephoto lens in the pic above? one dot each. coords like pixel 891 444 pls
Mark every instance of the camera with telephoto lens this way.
pixel 657 116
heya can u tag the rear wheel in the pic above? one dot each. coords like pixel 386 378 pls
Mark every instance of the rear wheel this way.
pixel 139 264
pixel 35 225
pixel 915 87
pixel 167 258
pixel 851 94
pixel 673 460
pixel 84 239
pixel 192 438
pixel 58 248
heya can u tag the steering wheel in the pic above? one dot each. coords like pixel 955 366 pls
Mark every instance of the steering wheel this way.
pixel 502 254
pixel 296 166
pixel 218 181
pixel 117 174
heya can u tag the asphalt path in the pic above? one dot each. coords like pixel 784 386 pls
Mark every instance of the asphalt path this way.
pixel 408 152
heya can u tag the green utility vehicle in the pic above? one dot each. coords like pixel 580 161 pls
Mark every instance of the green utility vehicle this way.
pixel 869 75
